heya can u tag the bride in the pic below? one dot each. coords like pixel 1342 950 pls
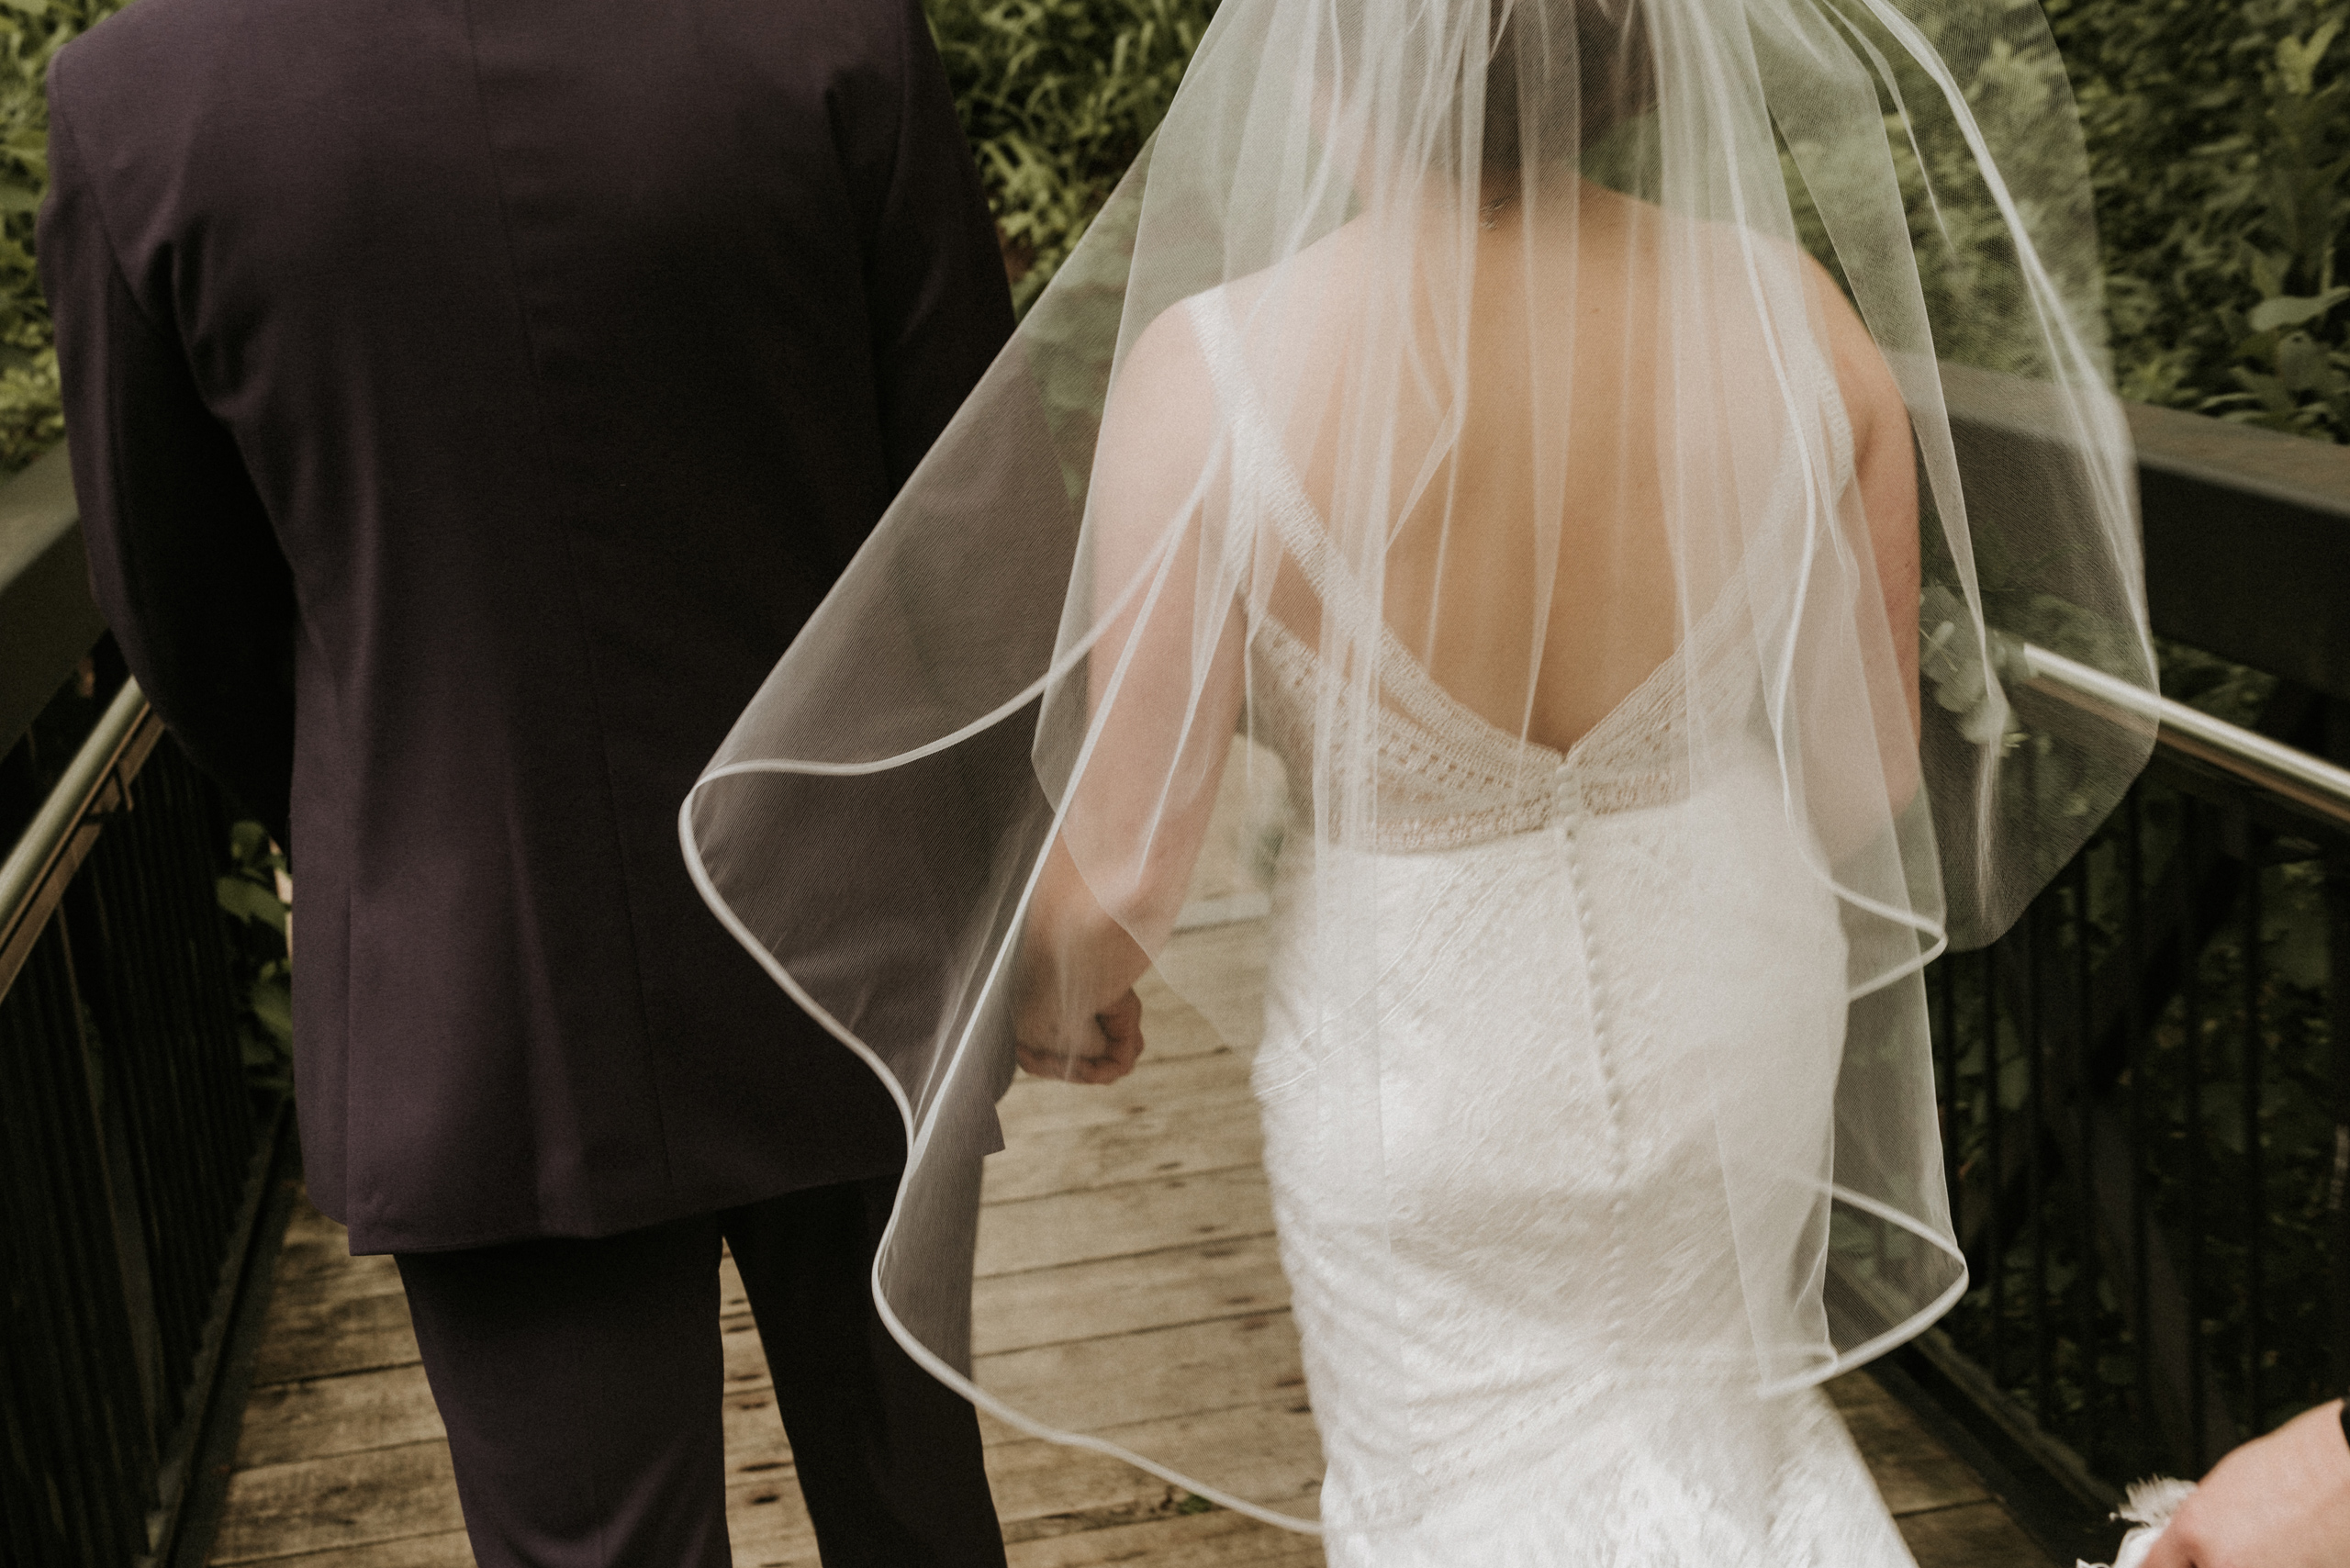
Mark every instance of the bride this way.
pixel 1602 453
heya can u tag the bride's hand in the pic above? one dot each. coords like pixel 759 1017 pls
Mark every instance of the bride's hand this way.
pixel 1097 1050
pixel 1074 1015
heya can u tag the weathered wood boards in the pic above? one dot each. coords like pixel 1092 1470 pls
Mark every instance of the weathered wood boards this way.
pixel 1128 1284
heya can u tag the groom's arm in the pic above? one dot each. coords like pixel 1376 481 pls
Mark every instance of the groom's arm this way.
pixel 182 560
pixel 937 297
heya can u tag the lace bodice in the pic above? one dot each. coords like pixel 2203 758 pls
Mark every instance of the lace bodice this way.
pixel 1446 776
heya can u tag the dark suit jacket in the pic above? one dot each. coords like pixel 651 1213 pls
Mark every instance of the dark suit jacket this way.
pixel 468 400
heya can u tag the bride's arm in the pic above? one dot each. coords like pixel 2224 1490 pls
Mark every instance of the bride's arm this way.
pixel 1164 690
pixel 1886 469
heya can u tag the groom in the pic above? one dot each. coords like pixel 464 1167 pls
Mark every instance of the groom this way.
pixel 469 399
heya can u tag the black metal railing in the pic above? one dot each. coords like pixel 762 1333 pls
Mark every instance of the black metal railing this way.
pixel 134 1157
pixel 2145 1089
pixel 2146 1085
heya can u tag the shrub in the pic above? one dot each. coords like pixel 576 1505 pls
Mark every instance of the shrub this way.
pixel 31 31
pixel 1056 98
pixel 2218 132
pixel 2219 135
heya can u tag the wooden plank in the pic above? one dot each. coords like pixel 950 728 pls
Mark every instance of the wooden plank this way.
pixel 388 1497
pixel 1251 801
pixel 315 1265
pixel 756 1444
pixel 1269 1453
pixel 385 1406
pixel 1173 1029
pixel 1175 1115
pixel 1914 1470
pixel 1045 1489
pixel 375 1275
pixel 1217 1540
pixel 1206 1079
pixel 1214 1131
pixel 1086 1386
pixel 390 1492
pixel 731 1296
pixel 443 1549
pixel 324 1337
pixel 1042 1488
pixel 768 1523
pixel 1216 973
pixel 1129 1287
pixel 1972 1535
pixel 317 1251
pixel 746 1359
pixel 338 1503
pixel 1112 1222
pixel 1121 1296
pixel 323 1418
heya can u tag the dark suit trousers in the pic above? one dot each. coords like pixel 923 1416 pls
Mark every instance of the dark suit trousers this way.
pixel 580 1383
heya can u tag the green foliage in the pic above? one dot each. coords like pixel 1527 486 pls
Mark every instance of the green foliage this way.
pixel 2013 80
pixel 2220 139
pixel 2219 143
pixel 31 32
pixel 1058 97
pixel 253 894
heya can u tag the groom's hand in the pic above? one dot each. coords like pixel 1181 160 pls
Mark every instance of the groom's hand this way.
pixel 1099 1049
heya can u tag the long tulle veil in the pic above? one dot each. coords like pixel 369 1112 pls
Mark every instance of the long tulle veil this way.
pixel 1695 399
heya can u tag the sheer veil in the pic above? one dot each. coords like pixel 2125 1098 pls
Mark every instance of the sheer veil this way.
pixel 1685 400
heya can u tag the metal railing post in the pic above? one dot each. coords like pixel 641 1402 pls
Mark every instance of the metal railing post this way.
pixel 137 1156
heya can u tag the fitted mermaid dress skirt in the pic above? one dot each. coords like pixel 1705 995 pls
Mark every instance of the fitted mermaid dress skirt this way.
pixel 1507 1306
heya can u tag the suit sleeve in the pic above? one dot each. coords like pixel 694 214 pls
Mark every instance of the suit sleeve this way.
pixel 182 560
pixel 940 306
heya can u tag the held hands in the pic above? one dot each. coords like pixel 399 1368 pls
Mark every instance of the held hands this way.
pixel 1075 1016
pixel 2281 1501
pixel 1099 1048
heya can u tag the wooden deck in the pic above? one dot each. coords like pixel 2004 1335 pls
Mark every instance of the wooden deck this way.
pixel 1125 1251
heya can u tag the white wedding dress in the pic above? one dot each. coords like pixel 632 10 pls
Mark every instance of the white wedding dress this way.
pixel 1524 1338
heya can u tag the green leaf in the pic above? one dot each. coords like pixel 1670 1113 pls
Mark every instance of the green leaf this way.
pixel 271 1002
pixel 2291 310
pixel 2296 60
pixel 248 841
pixel 247 899
pixel 2304 366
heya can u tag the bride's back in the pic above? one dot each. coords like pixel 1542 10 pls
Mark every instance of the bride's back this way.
pixel 1511 449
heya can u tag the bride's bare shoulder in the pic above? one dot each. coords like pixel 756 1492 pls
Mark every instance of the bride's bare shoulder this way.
pixel 1870 393
pixel 1158 424
pixel 1276 313
pixel 1872 396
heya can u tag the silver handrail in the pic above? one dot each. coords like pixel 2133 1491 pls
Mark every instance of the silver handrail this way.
pixel 2309 781
pixel 37 866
